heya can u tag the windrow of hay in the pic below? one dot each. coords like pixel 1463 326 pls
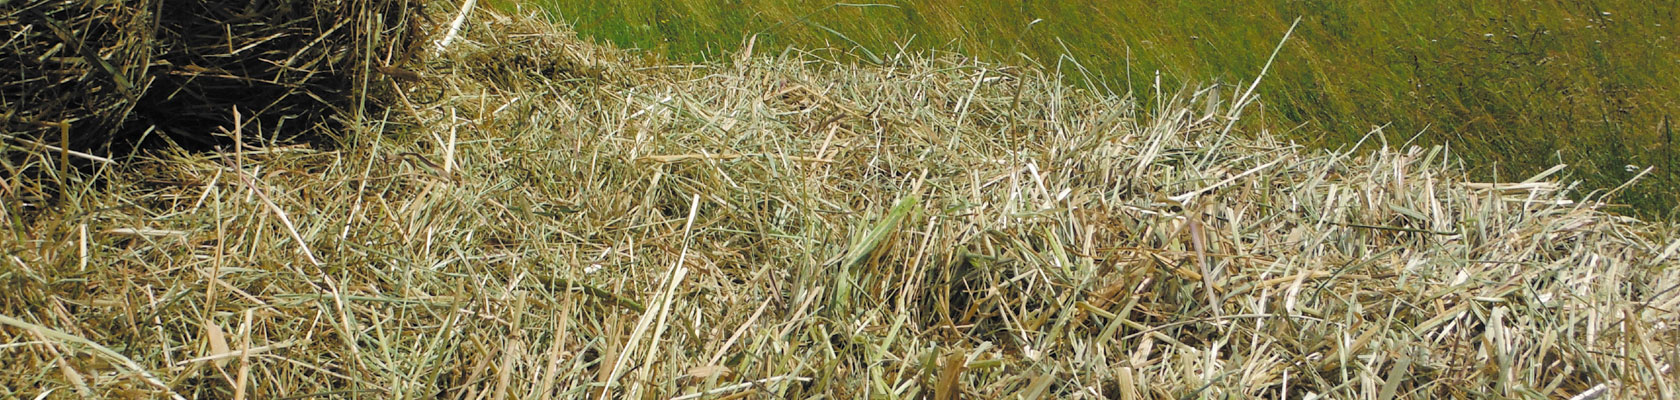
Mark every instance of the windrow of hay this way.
pixel 567 221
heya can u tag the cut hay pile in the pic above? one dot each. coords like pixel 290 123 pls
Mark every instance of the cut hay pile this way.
pixel 565 221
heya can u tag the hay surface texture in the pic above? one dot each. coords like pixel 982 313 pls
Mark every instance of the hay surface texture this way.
pixel 565 221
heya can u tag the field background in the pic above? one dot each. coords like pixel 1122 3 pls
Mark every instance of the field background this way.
pixel 1514 87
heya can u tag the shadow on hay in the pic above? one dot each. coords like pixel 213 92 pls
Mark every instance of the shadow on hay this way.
pixel 109 79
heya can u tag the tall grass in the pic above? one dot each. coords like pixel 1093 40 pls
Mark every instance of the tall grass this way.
pixel 1515 86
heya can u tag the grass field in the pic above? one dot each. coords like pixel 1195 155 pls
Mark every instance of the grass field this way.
pixel 1523 85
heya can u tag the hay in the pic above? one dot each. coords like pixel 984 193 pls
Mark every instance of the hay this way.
pixel 785 226
pixel 102 78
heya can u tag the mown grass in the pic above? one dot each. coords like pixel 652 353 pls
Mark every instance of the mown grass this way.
pixel 535 216
pixel 1515 87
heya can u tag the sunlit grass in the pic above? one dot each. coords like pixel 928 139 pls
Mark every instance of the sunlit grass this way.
pixel 1516 87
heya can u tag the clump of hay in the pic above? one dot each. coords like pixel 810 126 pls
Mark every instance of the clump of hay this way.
pixel 87 79
pixel 786 226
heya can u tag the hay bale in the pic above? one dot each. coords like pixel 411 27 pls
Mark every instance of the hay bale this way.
pixel 127 74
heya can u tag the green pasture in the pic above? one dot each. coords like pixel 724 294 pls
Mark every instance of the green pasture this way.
pixel 1514 87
